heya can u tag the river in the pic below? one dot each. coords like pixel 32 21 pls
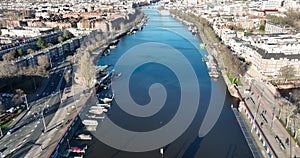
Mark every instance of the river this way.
pixel 165 74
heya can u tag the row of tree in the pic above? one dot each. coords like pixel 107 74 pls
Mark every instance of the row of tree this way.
pixel 87 70
pixel 67 35
pixel 41 44
pixel 232 64
pixel 292 19
pixel 9 70
pixel 289 113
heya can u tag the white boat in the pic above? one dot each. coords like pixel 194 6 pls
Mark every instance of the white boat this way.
pixel 90 122
pixel 214 74
pixel 78 149
pixel 95 117
pixel 112 46
pixel 103 105
pixel 107 100
pixel 97 108
pixel 97 112
pixel 84 137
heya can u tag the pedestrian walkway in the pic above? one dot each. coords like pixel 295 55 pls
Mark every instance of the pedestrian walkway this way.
pixel 271 127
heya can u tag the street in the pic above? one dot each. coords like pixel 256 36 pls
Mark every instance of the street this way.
pixel 22 134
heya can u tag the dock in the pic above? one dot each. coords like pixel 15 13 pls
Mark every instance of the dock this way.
pixel 247 134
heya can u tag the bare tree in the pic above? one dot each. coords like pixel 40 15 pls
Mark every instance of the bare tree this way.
pixel 86 70
pixel 70 59
pixel 30 51
pixel 296 95
pixel 10 55
pixel 297 125
pixel 67 76
pixel 18 98
pixel 289 111
pixel 43 61
pixel 7 69
pixel 287 72
pixel 60 39
pixel 281 105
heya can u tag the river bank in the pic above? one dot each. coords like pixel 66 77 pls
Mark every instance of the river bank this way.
pixel 264 136
pixel 234 91
pixel 212 50
pixel 110 40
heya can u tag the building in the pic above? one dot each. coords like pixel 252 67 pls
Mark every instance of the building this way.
pixel 271 28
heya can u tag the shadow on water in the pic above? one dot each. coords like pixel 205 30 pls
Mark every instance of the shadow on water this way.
pixel 193 148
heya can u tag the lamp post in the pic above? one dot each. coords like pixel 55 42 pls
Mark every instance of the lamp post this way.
pixel 290 94
pixel 261 94
pixel 291 153
pixel 26 101
pixel 68 144
pixel 273 117
pixel 43 118
pixel 1 133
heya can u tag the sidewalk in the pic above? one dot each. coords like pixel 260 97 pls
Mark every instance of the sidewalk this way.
pixel 270 127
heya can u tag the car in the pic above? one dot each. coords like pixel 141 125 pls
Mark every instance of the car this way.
pixel 10 131
pixel 247 91
pixel 12 109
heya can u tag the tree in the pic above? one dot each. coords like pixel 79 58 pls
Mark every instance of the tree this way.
pixel 281 106
pixel 287 72
pixel 60 39
pixel 9 56
pixel 43 61
pixel 67 34
pixel 49 44
pixel 296 125
pixel 7 69
pixel 41 43
pixel 19 98
pixel 289 111
pixel 20 52
pixel 262 28
pixel 30 51
pixel 35 71
pixel 67 76
pixel 70 59
pixel 86 70
pixel 296 95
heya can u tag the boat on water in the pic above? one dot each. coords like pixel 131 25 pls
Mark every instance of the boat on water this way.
pixel 90 122
pixel 114 42
pixel 112 46
pixel 70 154
pixel 214 74
pixel 106 106
pixel 78 149
pixel 212 66
pixel 95 117
pixel 97 52
pixel 84 137
pixel 98 110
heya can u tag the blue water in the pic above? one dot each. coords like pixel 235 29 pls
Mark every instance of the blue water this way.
pixel 224 140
